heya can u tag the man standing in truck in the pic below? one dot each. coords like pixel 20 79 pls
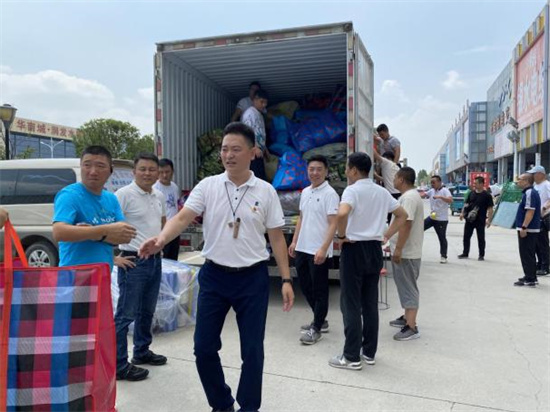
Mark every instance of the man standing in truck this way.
pixel 389 143
pixel 238 209
pixel 254 118
pixel 246 102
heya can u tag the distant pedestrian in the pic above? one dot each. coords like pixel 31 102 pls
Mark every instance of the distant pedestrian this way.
pixel 87 219
pixel 407 254
pixel 254 118
pixel 245 102
pixel 238 210
pixel 171 193
pixel 312 245
pixel 478 213
pixel 361 225
pixel 440 199
pixel 542 186
pixel 528 227
pixel 389 143
pixel 139 278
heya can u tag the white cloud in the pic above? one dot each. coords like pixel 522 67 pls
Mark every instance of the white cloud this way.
pixel 453 81
pixel 147 93
pixel 391 89
pixel 57 97
pixel 423 130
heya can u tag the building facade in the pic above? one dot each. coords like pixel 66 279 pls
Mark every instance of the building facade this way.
pixel 35 139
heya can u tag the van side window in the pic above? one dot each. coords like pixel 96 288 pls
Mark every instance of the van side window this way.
pixel 7 185
pixel 34 186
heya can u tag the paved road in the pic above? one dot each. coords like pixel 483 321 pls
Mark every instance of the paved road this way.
pixel 484 346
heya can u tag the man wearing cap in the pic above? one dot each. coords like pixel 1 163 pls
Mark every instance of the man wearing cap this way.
pixel 542 186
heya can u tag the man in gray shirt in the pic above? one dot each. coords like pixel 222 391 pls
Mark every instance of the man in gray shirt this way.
pixel 389 143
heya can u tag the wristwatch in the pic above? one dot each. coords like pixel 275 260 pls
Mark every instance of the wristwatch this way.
pixel 341 237
pixel 524 228
pixel 286 280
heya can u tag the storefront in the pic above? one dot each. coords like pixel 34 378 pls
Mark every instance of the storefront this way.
pixel 35 139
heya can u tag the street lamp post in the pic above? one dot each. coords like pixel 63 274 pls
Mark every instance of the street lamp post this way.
pixel 52 145
pixel 514 137
pixel 7 114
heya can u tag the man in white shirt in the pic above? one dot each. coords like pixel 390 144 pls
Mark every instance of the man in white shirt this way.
pixel 139 278
pixel 440 199
pixel 171 193
pixel 245 102
pixel 312 245
pixel 407 254
pixel 238 209
pixel 542 186
pixel 254 118
pixel 361 224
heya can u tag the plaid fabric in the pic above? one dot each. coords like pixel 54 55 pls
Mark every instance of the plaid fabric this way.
pixel 54 334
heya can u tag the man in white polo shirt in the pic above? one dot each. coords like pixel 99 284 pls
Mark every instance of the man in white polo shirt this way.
pixel 312 244
pixel 238 209
pixel 440 199
pixel 139 279
pixel 361 224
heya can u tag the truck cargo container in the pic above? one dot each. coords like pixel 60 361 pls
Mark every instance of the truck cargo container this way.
pixel 198 83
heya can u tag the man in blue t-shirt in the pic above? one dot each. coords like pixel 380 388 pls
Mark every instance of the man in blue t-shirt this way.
pixel 528 227
pixel 87 219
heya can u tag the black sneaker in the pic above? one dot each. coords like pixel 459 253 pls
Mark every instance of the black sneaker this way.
pixel 230 409
pixel 463 256
pixel 132 374
pixel 542 272
pixel 151 359
pixel 399 322
pixel 481 258
pixel 523 282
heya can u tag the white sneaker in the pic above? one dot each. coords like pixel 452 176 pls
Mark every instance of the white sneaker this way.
pixel 443 260
pixel 341 362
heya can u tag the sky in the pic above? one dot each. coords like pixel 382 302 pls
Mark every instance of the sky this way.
pixel 70 61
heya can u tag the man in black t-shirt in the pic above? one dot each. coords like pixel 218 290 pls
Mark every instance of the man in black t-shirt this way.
pixel 478 212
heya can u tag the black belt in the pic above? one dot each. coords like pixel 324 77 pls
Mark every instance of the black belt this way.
pixel 132 253
pixel 232 269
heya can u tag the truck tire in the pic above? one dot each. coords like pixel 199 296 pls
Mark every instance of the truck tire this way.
pixel 42 254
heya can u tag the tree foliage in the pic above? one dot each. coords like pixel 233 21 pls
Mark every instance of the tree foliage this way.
pixel 121 138
pixel 422 177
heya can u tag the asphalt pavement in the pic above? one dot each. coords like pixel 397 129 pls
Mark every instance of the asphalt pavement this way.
pixel 484 346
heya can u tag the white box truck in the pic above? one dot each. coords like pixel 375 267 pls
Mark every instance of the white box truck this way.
pixel 198 83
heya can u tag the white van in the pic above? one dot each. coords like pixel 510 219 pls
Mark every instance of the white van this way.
pixel 27 190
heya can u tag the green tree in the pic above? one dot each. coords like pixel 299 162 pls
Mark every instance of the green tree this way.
pixel 121 138
pixel 25 154
pixel 422 177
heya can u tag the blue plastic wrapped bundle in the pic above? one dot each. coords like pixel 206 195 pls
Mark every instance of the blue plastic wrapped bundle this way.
pixel 292 172
pixel 317 129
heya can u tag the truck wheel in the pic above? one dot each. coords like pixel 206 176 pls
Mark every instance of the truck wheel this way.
pixel 42 255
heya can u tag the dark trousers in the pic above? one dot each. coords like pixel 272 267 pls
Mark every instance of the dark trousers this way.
pixel 258 167
pixel 479 226
pixel 314 283
pixel 527 247
pixel 172 249
pixel 247 292
pixel 440 227
pixel 543 247
pixel 360 265
pixel 139 290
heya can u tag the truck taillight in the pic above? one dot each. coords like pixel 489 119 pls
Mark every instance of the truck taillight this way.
pixel 336 245
pixel 185 242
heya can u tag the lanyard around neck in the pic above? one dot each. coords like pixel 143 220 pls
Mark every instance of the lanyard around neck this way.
pixel 234 211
